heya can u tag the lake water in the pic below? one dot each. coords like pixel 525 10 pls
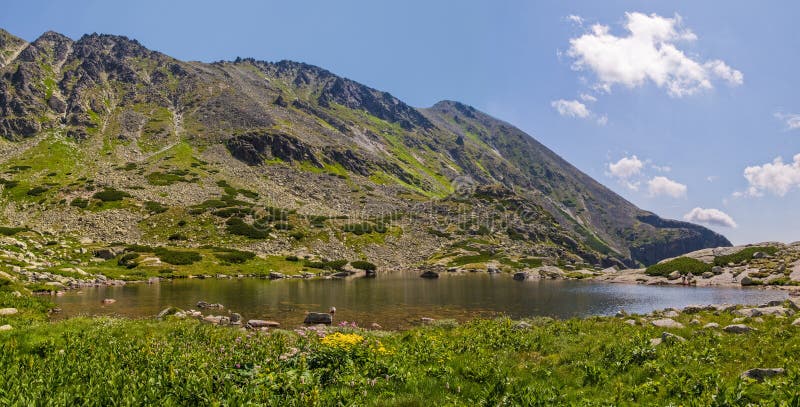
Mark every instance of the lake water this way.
pixel 399 300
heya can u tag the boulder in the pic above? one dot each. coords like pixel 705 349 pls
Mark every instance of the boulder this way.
pixel 716 270
pixel 762 373
pixel 747 280
pixel 276 276
pixel 737 329
pixel 631 322
pixel 666 323
pixel 429 274
pixel 748 312
pixel 776 310
pixel 8 311
pixel 520 276
pixel 236 318
pixel 693 309
pixel 674 275
pixel 107 253
pixel 796 322
pixel 6 327
pixel 711 325
pixel 108 301
pixel 708 275
pixel 260 323
pixel 427 321
pixel 794 303
pixel 758 255
pixel 167 312
pixel 669 338
pixel 214 319
pixel 671 314
pixel 313 318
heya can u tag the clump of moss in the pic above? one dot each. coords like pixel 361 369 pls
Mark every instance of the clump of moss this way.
pixel 11 231
pixel 154 207
pixel 79 203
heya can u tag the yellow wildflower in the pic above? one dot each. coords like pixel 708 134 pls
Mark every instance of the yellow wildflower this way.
pixel 343 341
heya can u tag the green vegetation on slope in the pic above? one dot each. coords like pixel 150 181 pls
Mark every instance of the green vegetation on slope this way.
pixel 744 255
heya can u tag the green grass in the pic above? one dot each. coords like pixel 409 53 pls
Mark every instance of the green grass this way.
pixel 745 254
pixel 593 361
pixel 683 265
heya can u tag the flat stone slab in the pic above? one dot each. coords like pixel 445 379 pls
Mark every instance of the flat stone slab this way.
pixel 8 311
pixel 666 323
pixel 260 323
pixel 737 329
pixel 313 318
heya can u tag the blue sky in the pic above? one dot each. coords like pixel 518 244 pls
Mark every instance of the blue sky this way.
pixel 694 100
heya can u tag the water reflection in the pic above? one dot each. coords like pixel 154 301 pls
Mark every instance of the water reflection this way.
pixel 399 300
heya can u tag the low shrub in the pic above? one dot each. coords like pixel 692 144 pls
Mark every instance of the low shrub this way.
pixel 235 256
pixel 177 236
pixel 11 231
pixel 36 191
pixel 154 207
pixel 111 195
pixel 292 258
pixel 237 226
pixel 79 203
pixel 363 265
pixel 744 255
pixel 683 265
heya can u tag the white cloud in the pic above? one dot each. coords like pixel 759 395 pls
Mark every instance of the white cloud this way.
pixel 661 168
pixel 792 120
pixel 575 19
pixel 776 177
pixel 571 108
pixel 712 178
pixel 602 120
pixel 647 53
pixel 664 186
pixel 710 216
pixel 588 98
pixel 626 168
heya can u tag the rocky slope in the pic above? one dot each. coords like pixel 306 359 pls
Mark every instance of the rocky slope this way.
pixel 105 139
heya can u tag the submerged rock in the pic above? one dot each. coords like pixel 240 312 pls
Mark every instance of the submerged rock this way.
pixel 313 318
pixel 429 274
pixel 260 323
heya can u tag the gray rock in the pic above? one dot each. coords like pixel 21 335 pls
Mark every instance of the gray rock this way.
pixel 313 318
pixel 631 322
pixel 6 327
pixel 167 311
pixel 520 276
pixel 669 338
pixel 692 309
pixel 758 255
pixel 108 301
pixel 655 341
pixel 666 323
pixel 522 325
pixel 748 312
pixel 213 319
pixel 8 311
pixel 762 373
pixel 708 274
pixel 695 321
pixel 276 276
pixel 747 280
pixel 671 314
pixel 236 318
pixel 796 322
pixel 716 270
pixel 674 275
pixel 794 303
pixel 260 323
pixel 711 325
pixel 737 329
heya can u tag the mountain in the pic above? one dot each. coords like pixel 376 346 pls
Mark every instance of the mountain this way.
pixel 103 138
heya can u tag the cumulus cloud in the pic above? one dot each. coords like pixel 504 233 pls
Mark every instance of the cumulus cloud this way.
pixel 658 186
pixel 626 167
pixel 575 19
pixel 648 53
pixel 710 216
pixel 776 177
pixel 571 108
pixel 792 120
pixel 602 120
pixel 588 98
